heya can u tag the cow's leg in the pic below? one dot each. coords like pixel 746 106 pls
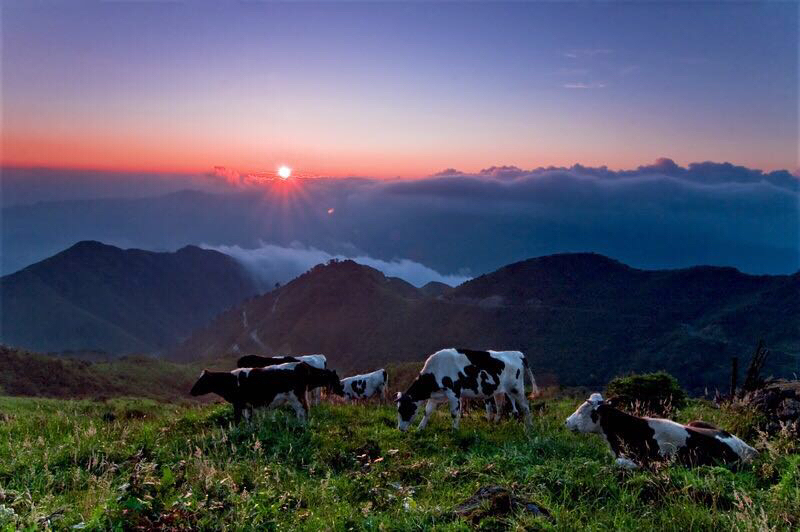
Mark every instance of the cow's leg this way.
pixel 237 412
pixel 518 397
pixel 514 409
pixel 491 408
pixel 455 409
pixel 316 396
pixel 499 407
pixel 300 406
pixel 303 404
pixel 430 408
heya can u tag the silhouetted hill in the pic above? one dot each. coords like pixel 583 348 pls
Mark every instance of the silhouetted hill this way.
pixel 435 289
pixel 581 319
pixel 96 296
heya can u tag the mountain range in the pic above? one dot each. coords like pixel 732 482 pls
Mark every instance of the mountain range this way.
pixel 93 296
pixel 581 318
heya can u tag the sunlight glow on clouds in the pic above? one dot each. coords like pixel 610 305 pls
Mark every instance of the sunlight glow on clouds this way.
pixel 653 216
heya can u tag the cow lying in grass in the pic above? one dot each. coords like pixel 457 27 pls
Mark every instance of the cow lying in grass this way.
pixel 248 388
pixel 450 374
pixel 636 441
pixel 363 387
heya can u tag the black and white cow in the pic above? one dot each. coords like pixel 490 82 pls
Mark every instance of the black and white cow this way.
pixel 450 374
pixel 248 388
pixel 375 384
pixel 636 441
pixel 257 361
pixel 326 379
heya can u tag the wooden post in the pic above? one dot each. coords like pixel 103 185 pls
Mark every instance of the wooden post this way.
pixel 753 377
pixel 734 375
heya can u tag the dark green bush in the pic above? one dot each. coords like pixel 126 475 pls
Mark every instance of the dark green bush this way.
pixel 650 393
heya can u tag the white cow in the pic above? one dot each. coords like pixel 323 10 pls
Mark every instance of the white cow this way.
pixel 365 386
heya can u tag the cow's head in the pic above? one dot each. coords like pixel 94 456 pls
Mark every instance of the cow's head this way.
pixel 333 382
pixel 319 378
pixel 203 385
pixel 406 408
pixel 586 418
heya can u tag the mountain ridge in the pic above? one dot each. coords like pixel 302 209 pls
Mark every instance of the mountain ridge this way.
pixel 98 296
pixel 581 318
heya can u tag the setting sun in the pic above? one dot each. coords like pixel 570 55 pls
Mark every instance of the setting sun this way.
pixel 284 172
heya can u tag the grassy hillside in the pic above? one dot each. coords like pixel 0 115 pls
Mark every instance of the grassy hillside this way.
pixel 30 374
pixel 136 464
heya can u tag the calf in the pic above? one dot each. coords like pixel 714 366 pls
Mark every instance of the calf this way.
pixel 637 441
pixel 366 386
pixel 450 374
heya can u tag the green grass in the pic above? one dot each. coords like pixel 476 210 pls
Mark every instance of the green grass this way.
pixel 128 463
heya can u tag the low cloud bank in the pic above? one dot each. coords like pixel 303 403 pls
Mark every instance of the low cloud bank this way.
pixel 661 215
pixel 271 263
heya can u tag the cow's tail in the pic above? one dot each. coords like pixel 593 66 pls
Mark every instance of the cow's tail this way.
pixel 385 391
pixel 534 388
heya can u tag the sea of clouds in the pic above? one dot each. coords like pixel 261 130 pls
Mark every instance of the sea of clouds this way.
pixel 446 227
pixel 270 264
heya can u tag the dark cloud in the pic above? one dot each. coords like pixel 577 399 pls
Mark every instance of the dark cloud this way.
pixel 22 186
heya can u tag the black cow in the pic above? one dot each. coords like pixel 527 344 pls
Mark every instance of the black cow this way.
pixel 257 361
pixel 248 388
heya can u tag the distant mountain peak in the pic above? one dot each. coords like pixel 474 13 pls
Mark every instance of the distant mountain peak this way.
pixel 91 245
pixel 577 259
pixel 97 296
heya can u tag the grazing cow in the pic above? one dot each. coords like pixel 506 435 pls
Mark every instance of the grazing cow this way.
pixel 450 374
pixel 257 361
pixel 317 378
pixel 366 386
pixel 248 388
pixel 637 440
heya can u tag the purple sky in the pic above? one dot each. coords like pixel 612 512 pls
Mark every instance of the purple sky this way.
pixel 385 89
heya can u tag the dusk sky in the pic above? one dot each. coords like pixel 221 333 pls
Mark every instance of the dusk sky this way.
pixel 661 134
pixel 385 89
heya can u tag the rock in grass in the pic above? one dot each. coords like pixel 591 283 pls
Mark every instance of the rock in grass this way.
pixel 495 501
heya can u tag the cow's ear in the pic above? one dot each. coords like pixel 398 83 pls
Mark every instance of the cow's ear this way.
pixel 397 396
pixel 595 398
